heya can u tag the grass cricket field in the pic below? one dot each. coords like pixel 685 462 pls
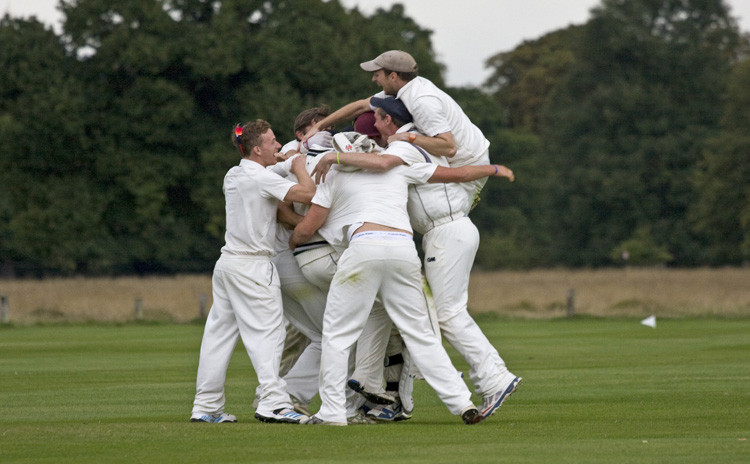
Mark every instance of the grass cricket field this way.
pixel 595 390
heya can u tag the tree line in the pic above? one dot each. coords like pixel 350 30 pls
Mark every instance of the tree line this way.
pixel 628 134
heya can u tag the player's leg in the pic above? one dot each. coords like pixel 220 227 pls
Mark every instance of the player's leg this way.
pixel 219 339
pixel 350 299
pixel 257 302
pixel 304 305
pixel 449 255
pixel 367 378
pixel 402 297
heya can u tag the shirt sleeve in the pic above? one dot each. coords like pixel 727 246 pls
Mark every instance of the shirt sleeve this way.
pixel 273 186
pixel 406 151
pixel 420 173
pixel 322 195
pixel 429 116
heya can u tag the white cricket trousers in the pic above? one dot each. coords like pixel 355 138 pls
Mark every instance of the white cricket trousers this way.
pixel 247 305
pixel 372 266
pixel 449 251
pixel 303 307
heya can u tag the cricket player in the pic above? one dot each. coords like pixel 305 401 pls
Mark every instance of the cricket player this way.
pixel 450 240
pixel 246 294
pixel 380 260
pixel 444 129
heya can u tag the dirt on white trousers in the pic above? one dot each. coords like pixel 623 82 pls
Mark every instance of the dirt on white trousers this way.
pixel 376 265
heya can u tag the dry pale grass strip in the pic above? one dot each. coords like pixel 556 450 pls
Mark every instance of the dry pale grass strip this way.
pixel 530 294
pixel 614 292
pixel 106 299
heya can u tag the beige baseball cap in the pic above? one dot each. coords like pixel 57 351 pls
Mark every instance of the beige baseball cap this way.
pixel 393 60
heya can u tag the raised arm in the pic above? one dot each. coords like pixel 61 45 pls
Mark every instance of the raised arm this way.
pixel 440 145
pixel 369 161
pixel 345 113
pixel 469 173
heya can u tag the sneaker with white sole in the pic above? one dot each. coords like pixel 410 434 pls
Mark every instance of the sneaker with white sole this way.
pixel 213 418
pixel 387 413
pixel 377 398
pixel 283 416
pixel 491 403
pixel 315 420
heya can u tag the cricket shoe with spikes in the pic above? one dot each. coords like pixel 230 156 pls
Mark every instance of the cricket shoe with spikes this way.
pixel 390 413
pixel 377 398
pixel 283 416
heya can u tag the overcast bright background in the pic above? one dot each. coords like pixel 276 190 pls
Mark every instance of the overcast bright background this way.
pixel 466 32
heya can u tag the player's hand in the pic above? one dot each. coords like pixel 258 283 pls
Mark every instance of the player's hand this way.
pixel 399 137
pixel 313 130
pixel 298 163
pixel 503 171
pixel 323 166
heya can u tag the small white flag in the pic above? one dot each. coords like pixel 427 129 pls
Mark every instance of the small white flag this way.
pixel 650 322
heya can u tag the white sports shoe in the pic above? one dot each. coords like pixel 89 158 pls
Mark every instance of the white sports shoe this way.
pixel 491 403
pixel 283 416
pixel 213 418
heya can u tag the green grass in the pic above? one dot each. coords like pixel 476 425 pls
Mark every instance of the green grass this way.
pixel 595 390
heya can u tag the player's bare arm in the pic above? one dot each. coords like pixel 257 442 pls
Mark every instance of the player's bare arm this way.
pixel 440 145
pixel 469 173
pixel 286 216
pixel 310 223
pixel 369 161
pixel 304 190
pixel 345 113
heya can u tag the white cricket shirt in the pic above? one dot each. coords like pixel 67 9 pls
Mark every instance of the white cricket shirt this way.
pixel 367 196
pixel 430 205
pixel 252 194
pixel 435 112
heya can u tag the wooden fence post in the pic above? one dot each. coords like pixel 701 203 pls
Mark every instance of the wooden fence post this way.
pixel 4 310
pixel 138 309
pixel 571 303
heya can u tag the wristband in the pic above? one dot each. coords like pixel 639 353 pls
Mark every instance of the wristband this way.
pixel 495 168
pixel 338 161
pixel 412 137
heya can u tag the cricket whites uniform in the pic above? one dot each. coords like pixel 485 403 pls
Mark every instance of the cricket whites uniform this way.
pixel 383 264
pixel 435 112
pixel 246 294
pixel 450 240
pixel 303 305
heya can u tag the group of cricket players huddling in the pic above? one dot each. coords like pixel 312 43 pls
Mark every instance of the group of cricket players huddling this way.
pixel 319 238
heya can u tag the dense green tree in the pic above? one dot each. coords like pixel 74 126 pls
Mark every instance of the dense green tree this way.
pixel 721 214
pixel 136 100
pixel 45 167
pixel 627 123
pixel 522 79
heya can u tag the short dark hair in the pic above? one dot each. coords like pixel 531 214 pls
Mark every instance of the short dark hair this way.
pixel 250 136
pixel 405 76
pixel 310 116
